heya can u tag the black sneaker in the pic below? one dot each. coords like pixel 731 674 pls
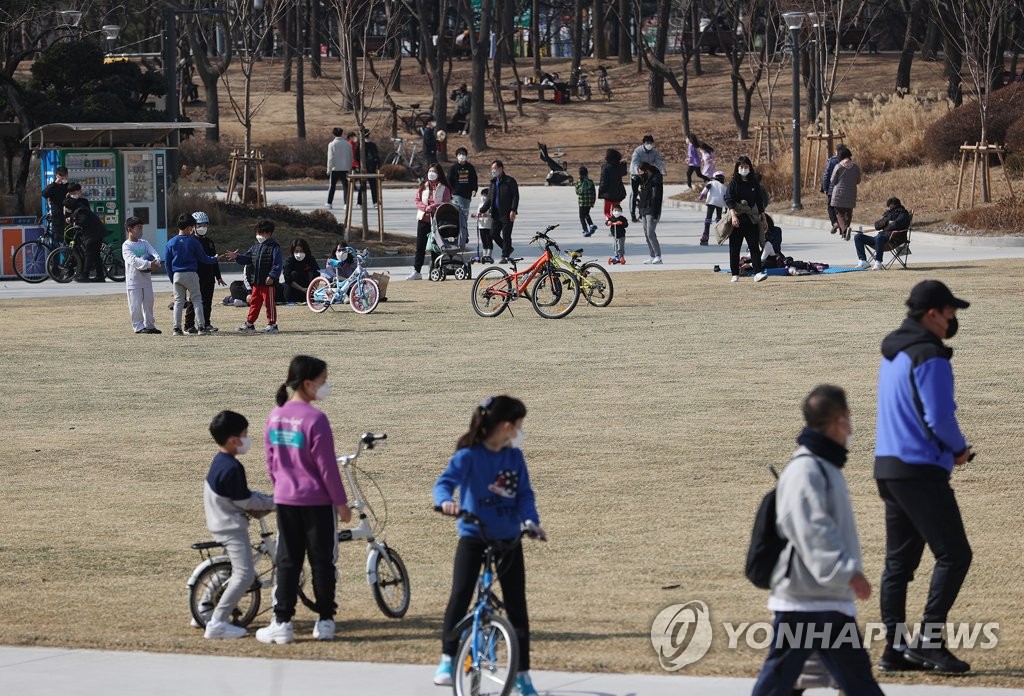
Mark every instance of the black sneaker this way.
pixel 177 332
pixel 503 260
pixel 192 331
pixel 894 660
pixel 154 330
pixel 936 657
pixel 212 329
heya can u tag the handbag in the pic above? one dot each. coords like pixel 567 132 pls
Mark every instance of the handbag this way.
pixel 723 228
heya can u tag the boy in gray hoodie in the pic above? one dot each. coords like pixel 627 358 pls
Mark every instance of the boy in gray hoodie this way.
pixel 819 572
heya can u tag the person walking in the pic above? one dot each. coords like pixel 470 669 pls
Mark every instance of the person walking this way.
pixel 819 572
pixel 649 206
pixel 432 192
pixel 693 160
pixel 713 196
pixel 745 199
pixel 503 204
pixel 917 445
pixel 845 178
pixel 339 164
pixel 609 187
pixel 826 188
pixel 646 152
pixel 463 179
pixel 586 196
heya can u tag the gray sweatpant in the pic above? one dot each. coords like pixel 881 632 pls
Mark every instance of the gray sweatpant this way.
pixel 188 281
pixel 243 571
pixel 650 224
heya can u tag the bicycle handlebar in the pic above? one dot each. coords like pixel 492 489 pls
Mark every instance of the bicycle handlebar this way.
pixel 530 527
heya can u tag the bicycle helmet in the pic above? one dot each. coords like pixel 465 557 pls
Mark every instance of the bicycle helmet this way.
pixel 201 218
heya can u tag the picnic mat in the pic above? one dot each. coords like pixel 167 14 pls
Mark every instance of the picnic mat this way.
pixel 784 272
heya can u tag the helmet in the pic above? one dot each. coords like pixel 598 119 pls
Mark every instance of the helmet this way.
pixel 201 218
pixel 717 174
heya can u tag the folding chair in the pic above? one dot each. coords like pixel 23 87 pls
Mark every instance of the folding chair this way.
pixel 898 245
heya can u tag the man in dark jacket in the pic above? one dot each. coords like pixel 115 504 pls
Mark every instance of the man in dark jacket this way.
pixel 55 194
pixel 429 135
pixel 918 442
pixel 648 203
pixel 503 204
pixel 895 218
pixel 826 188
pixel 209 275
pixel 463 181
pixel 90 266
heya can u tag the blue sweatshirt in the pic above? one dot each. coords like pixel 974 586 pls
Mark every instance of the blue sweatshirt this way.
pixel 183 254
pixel 917 435
pixel 494 486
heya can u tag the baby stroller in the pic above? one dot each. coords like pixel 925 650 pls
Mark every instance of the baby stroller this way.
pixel 444 231
pixel 557 174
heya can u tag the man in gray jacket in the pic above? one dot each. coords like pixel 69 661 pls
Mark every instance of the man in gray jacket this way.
pixel 645 153
pixel 339 164
pixel 819 572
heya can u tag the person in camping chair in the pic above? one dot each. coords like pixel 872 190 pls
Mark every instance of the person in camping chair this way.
pixel 895 218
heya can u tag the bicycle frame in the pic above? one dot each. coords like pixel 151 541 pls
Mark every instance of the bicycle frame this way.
pixel 357 502
pixel 528 274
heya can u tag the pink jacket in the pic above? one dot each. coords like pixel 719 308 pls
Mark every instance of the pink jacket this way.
pixel 300 456
pixel 429 196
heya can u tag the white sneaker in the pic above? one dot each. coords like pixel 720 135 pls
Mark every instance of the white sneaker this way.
pixel 877 266
pixel 415 275
pixel 270 328
pixel 656 260
pixel 760 276
pixel 224 630
pixel 328 206
pixel 735 279
pixel 279 633
pixel 443 674
pixel 649 261
pixel 195 624
pixel 324 629
pixel 861 265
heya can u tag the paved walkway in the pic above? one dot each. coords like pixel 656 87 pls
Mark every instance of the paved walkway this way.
pixel 62 672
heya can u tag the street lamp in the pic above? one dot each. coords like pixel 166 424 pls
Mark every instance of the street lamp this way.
pixel 111 31
pixel 70 18
pixel 795 20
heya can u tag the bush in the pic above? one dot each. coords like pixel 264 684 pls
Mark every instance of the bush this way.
pixel 297 151
pixel 295 171
pixel 1015 138
pixel 1003 215
pixel 185 202
pixel 273 171
pixel 1015 164
pixel 394 172
pixel 963 124
pixel 317 173
pixel 199 152
pixel 888 132
pixel 320 220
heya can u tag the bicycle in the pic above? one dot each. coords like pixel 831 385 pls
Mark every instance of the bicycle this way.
pixel 602 82
pixel 414 163
pixel 29 258
pixel 415 120
pixel 487 660
pixel 359 290
pixel 581 84
pixel 595 282
pixel 385 571
pixel 62 262
pixel 555 292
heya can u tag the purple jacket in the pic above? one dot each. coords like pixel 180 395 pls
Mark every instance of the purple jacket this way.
pixel 300 456
pixel 692 156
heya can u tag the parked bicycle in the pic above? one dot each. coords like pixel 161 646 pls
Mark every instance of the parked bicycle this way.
pixel 414 119
pixel 412 158
pixel 359 290
pixel 487 659
pixel 555 291
pixel 29 258
pixel 595 282
pixel 62 263
pixel 602 82
pixel 385 571
pixel 580 83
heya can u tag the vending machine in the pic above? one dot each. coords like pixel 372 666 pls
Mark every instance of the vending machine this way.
pixel 98 171
pixel 145 191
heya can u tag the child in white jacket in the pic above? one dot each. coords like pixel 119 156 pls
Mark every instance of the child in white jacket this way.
pixel 140 258
pixel 714 196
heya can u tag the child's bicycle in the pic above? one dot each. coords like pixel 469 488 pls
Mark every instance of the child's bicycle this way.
pixel 595 283
pixel 487 659
pixel 385 570
pixel 359 289
pixel 554 294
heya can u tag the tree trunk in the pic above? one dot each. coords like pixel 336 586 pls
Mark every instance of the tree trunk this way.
pixel 625 54
pixel 954 61
pixel 21 185
pixel 695 37
pixel 481 50
pixel 909 42
pixel 577 42
pixel 656 84
pixel 600 40
pixel 316 39
pixel 535 42
pixel 210 77
pixel 288 23
pixel 300 92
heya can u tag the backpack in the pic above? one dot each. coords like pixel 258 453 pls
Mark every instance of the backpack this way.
pixel 766 543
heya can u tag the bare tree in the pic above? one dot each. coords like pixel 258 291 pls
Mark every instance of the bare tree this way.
pixel 745 53
pixel 598 22
pixel 210 63
pixel 916 13
pixel 677 80
pixel 480 42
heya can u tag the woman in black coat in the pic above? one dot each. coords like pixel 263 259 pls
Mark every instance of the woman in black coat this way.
pixel 300 268
pixel 746 200
pixel 610 187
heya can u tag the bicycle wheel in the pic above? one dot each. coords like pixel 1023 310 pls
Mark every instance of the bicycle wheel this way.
pixel 207 590
pixel 596 285
pixel 220 176
pixel 391 591
pixel 555 293
pixel 364 296
pixel 62 265
pixel 113 265
pixel 492 292
pixel 30 261
pixel 319 295
pixel 497 660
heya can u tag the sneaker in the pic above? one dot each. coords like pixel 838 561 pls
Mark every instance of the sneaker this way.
pixel 223 630
pixel 613 260
pixel 271 328
pixel 487 259
pixel 443 673
pixel 246 328
pixel 593 229
pixel 324 629
pixel 894 660
pixel 760 276
pixel 735 279
pixel 622 259
pixel 152 330
pixel 177 331
pixel 835 228
pixel 936 657
pixel 503 260
pixel 205 332
pixel 877 266
pixel 328 206
pixel 861 265
pixel 703 241
pixel 141 331
pixel 656 260
pixel 587 233
pixel 279 633
pixel 525 685
pixel 415 275
pixel 212 329
pixel 195 624
pixel 649 261
pixel 192 331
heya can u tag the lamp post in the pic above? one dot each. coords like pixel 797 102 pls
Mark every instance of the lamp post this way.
pixel 795 20
pixel 70 18
pixel 111 31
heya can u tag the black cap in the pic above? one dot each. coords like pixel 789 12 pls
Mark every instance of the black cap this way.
pixel 933 294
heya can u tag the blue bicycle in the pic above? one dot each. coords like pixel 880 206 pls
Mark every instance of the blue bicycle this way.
pixel 487 660
pixel 359 290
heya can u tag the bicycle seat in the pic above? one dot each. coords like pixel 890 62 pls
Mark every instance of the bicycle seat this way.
pixel 516 259
pixel 414 106
pixel 203 545
pixel 576 252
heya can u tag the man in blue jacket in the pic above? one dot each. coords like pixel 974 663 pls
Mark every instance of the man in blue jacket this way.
pixel 917 445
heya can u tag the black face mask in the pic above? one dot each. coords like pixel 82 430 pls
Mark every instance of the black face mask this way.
pixel 952 327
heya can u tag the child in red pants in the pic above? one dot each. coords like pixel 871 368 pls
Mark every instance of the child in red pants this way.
pixel 265 258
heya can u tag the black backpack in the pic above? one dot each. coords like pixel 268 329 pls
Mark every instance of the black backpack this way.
pixel 766 544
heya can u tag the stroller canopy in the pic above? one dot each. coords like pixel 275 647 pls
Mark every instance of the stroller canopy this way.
pixel 446 221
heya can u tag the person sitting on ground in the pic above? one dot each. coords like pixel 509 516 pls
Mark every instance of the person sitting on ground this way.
pixel 896 218
pixel 300 268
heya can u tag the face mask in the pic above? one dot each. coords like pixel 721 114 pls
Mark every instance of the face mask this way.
pixel 616 213
pixel 245 445
pixel 744 171
pixel 952 327
pixel 299 255
pixel 495 173
pixel 201 231
pixel 431 176
pixel 341 255
pixel 461 159
pixel 323 391
pixel 518 439
pixel 648 146
pixel 260 239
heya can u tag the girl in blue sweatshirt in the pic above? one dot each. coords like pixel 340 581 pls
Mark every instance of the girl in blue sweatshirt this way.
pixel 489 471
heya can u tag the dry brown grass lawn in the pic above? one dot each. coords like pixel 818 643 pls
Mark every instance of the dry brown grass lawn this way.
pixel 650 424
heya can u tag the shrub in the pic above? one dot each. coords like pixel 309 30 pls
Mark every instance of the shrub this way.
pixel 296 151
pixel 273 171
pixel 963 124
pixel 1015 164
pixel 295 171
pixel 317 173
pixel 180 201
pixel 888 132
pixel 199 152
pixel 320 220
pixel 1015 138
pixel 1003 215
pixel 394 172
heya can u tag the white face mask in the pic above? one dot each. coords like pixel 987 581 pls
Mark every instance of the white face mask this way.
pixel 299 255
pixel 461 159
pixel 260 239
pixel 495 173
pixel 201 231
pixel 431 175
pixel 744 171
pixel 341 255
pixel 648 146
pixel 518 439
pixel 323 391
pixel 245 445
